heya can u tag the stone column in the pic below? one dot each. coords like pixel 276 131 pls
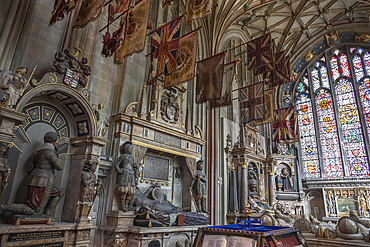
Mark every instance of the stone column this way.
pixel 272 185
pixel 243 187
pixel 84 148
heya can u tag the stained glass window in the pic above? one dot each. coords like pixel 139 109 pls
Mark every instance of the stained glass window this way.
pixel 351 128
pixel 357 64
pixel 311 168
pixel 315 79
pixel 344 65
pixel 328 134
pixel 334 67
pixel 340 129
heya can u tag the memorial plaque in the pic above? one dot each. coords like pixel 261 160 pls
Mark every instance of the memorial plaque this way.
pixel 156 168
pixel 27 236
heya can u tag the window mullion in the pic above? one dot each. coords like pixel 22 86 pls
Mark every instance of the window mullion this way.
pixel 316 123
pixel 356 90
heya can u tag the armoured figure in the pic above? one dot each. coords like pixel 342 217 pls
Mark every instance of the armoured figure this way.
pixel 252 180
pixel 198 186
pixel 126 169
pixel 89 188
pixel 4 168
pixel 41 190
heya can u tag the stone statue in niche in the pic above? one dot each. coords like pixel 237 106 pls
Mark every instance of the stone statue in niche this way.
pixel 4 168
pixel 198 188
pixel 102 122
pixel 89 188
pixel 287 184
pixel 41 194
pixel 13 84
pixel 252 180
pixel 70 65
pixel 126 169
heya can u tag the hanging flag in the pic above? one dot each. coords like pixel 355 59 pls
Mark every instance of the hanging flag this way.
pixel 259 52
pixel 252 102
pixel 112 44
pixel 185 60
pixel 61 8
pixel 227 80
pixel 165 41
pixel 119 5
pixel 165 2
pixel 196 9
pixel 209 78
pixel 269 109
pixel 89 11
pixel 135 31
pixel 277 72
pixel 284 128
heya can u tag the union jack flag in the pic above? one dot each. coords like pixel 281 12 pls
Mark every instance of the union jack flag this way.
pixel 209 79
pixel 259 52
pixel 285 126
pixel 277 72
pixel 252 105
pixel 165 41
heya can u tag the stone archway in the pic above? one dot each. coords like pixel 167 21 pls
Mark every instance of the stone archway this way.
pixel 68 112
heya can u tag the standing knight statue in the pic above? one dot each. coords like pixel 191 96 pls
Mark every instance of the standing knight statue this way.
pixel 42 195
pixel 126 169
pixel 199 188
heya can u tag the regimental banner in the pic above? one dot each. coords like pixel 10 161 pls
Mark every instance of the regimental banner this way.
pixel 165 41
pixel 209 79
pixel 71 78
pixel 196 9
pixel 252 102
pixel 112 44
pixel 89 11
pixel 63 7
pixel 229 72
pixel 284 129
pixel 185 60
pixel 269 109
pixel 135 31
pixel 119 5
pixel 259 52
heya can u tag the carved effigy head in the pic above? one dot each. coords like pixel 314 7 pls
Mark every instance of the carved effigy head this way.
pixel 126 147
pixel 50 137
pixel 200 165
pixel 4 149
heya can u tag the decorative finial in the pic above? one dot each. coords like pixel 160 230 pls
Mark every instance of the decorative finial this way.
pixel 248 211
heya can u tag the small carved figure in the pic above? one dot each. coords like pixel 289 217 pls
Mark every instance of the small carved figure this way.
pixel 252 180
pixel 199 188
pixel 89 188
pixel 126 169
pixel 41 191
pixel 279 182
pixel 4 168
pixel 102 122
pixel 287 184
pixel 14 84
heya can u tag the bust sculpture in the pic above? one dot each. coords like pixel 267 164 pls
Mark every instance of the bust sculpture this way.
pixel 126 169
pixel 41 194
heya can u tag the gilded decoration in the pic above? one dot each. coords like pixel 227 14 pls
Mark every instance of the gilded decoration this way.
pixel 156 168
pixel 166 139
pixel 340 201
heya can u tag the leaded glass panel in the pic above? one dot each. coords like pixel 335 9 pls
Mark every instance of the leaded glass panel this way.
pixel 334 67
pixel 328 134
pixel 351 128
pixel 311 168
pixel 315 79
pixel 357 64
pixel 344 65
pixel 364 91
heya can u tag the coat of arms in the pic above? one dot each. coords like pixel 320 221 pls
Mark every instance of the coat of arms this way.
pixel 169 107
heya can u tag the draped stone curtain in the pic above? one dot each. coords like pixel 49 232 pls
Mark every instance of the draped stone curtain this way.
pixel 138 152
pixel 192 166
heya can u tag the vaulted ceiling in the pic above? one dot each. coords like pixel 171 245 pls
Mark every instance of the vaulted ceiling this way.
pixel 293 25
